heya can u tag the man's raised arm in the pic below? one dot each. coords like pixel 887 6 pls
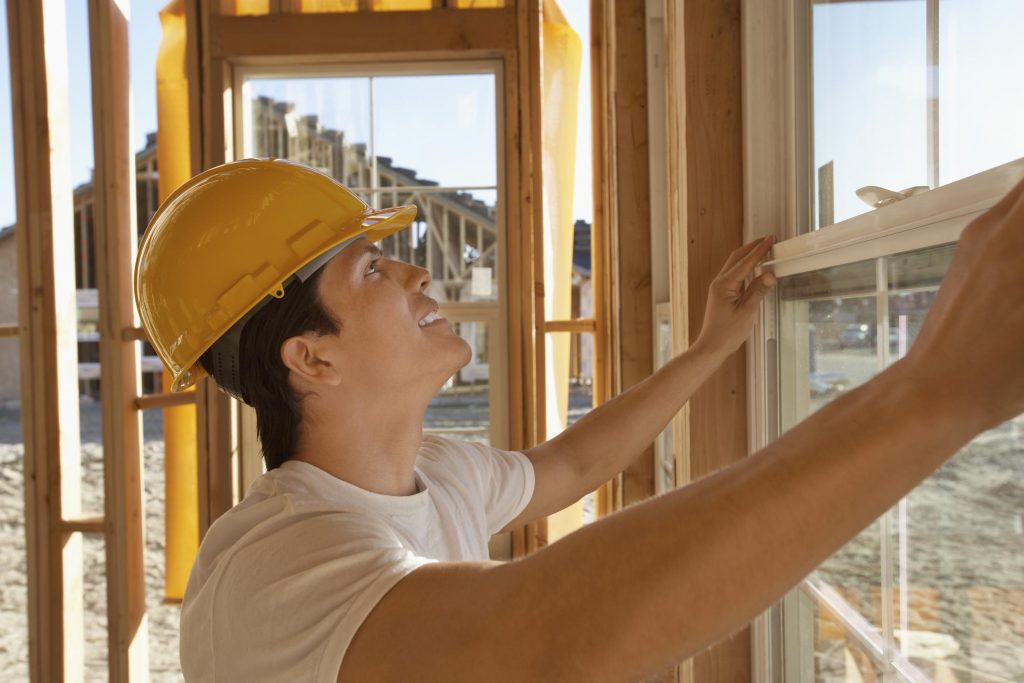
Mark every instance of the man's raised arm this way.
pixel 647 587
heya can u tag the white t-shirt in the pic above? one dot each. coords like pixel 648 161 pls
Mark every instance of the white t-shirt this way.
pixel 285 578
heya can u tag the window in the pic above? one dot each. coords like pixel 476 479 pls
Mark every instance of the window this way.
pixel 423 134
pixel 896 137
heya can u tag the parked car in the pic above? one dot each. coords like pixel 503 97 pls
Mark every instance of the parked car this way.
pixel 857 336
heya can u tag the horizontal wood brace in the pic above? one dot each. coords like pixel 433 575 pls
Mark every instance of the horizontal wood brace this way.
pixel 91 524
pixel 579 326
pixel 9 330
pixel 351 33
pixel 134 334
pixel 165 400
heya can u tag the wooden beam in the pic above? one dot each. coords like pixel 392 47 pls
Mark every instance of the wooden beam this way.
pixel 705 177
pixel 631 219
pixel 602 269
pixel 158 401
pixel 304 35
pixel 95 524
pixel 578 325
pixel 116 236
pixel 47 315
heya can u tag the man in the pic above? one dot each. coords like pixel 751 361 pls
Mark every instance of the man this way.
pixel 361 556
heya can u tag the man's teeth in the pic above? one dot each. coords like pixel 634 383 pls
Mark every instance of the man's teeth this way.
pixel 429 318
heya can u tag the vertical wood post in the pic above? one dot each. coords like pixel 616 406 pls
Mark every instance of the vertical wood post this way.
pixel 48 331
pixel 116 234
pixel 630 217
pixel 705 180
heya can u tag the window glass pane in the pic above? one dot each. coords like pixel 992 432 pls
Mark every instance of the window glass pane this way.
pixel 980 114
pixel 454 236
pixel 461 410
pixel 954 589
pixel 837 656
pixel 910 95
pixel 320 122
pixel 439 128
pixel 869 71
pixel 424 140
pixel 827 327
pixel 959 562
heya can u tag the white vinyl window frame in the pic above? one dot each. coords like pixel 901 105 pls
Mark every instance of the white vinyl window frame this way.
pixel 494 314
pixel 778 184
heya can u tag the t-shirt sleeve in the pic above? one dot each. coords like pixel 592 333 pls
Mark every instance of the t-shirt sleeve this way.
pixel 311 586
pixel 505 480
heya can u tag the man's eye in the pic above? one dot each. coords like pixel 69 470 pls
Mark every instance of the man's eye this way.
pixel 372 267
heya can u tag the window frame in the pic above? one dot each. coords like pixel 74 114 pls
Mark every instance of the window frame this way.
pixel 778 187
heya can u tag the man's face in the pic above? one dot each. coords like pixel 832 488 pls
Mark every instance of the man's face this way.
pixel 380 304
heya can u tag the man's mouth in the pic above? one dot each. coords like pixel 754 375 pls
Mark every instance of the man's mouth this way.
pixel 429 318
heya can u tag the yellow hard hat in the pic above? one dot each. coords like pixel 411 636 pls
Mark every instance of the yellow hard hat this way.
pixel 233 236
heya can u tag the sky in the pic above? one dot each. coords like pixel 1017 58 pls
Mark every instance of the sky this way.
pixel 144 39
pixel 869 95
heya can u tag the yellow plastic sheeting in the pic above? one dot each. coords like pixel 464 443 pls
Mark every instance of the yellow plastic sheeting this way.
pixel 561 53
pixel 181 481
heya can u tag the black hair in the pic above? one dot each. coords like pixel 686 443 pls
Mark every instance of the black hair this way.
pixel 262 374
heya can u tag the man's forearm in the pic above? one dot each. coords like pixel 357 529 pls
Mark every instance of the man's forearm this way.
pixel 610 437
pixel 675 573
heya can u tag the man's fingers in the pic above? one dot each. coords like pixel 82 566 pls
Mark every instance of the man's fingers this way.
pixel 740 252
pixel 757 290
pixel 745 265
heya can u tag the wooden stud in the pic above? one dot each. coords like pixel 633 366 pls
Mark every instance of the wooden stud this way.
pixel 116 235
pixel 630 219
pixel 706 223
pixel 602 273
pixel 46 304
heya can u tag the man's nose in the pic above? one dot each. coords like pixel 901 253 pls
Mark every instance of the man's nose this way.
pixel 419 277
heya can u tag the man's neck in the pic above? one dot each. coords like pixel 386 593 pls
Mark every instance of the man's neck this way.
pixel 372 446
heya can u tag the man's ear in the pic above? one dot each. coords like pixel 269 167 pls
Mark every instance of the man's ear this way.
pixel 303 356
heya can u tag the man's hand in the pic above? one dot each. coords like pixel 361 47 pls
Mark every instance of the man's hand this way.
pixel 970 349
pixel 732 303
